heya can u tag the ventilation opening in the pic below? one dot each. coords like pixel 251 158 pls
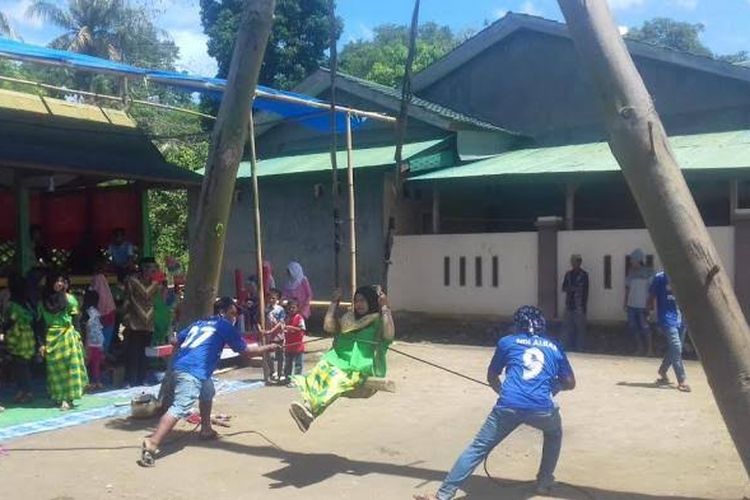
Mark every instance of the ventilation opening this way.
pixel 495 271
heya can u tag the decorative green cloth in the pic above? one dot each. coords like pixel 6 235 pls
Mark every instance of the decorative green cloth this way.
pixel 20 337
pixel 162 320
pixel 66 364
pixel 358 353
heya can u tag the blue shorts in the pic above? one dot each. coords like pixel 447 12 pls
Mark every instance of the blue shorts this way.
pixel 188 389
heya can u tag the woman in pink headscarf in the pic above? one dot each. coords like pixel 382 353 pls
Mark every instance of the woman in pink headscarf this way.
pixel 298 287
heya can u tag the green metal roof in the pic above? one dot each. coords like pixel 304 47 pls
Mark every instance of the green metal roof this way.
pixel 714 151
pixel 42 133
pixel 416 153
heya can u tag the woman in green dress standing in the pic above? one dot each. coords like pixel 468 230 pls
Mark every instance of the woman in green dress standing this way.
pixel 63 346
pixel 362 337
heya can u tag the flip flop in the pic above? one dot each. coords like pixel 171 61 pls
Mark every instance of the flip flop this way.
pixel 662 381
pixel 684 388
pixel 301 415
pixel 148 456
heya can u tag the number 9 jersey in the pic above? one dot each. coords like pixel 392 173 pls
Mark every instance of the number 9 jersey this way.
pixel 533 367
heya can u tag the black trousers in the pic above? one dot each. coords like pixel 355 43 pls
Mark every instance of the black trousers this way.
pixel 22 374
pixel 136 362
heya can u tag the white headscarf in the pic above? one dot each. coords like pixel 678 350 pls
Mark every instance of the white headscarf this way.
pixel 296 275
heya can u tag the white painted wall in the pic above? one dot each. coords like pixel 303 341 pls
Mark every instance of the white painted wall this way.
pixel 416 276
pixel 416 283
pixel 606 304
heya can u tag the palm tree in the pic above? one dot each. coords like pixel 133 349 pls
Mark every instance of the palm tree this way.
pixel 6 30
pixel 90 26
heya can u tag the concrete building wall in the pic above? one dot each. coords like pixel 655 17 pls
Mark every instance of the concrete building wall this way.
pixel 417 277
pixel 532 83
pixel 606 302
pixel 297 225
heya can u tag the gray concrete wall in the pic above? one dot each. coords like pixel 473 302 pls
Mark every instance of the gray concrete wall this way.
pixel 532 83
pixel 298 226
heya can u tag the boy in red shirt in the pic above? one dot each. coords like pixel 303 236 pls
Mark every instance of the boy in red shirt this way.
pixel 294 336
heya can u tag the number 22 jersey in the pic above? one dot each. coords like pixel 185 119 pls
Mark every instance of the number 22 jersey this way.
pixel 533 365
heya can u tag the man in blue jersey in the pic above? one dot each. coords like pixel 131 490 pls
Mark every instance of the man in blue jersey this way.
pixel 673 328
pixel 536 368
pixel 199 350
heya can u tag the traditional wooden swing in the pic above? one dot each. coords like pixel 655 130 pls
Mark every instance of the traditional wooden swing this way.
pixel 372 384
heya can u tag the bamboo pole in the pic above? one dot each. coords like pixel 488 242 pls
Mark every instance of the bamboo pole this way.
pixel 352 215
pixel 334 148
pixel 639 143
pixel 258 248
pixel 228 141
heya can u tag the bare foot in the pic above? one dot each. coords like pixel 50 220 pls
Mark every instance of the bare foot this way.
pixel 64 406
pixel 208 434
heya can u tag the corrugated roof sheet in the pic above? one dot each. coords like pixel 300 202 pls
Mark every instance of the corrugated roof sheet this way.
pixel 720 150
pixel 56 135
pixel 426 105
pixel 318 162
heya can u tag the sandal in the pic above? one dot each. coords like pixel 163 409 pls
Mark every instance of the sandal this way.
pixel 301 415
pixel 148 454
pixel 684 388
pixel 662 380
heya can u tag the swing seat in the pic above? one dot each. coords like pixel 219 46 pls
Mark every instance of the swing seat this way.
pixel 370 387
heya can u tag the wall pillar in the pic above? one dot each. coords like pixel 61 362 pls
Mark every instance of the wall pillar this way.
pixel 23 226
pixel 741 220
pixel 435 210
pixel 147 249
pixel 547 228
pixel 570 205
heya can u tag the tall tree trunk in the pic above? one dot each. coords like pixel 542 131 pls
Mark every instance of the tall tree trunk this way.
pixel 639 143
pixel 228 142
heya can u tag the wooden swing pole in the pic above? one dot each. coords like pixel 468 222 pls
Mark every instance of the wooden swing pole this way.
pixel 258 247
pixel 352 215
pixel 228 143
pixel 639 143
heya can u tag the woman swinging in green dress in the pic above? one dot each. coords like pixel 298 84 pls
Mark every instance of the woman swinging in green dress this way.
pixel 362 337
pixel 63 347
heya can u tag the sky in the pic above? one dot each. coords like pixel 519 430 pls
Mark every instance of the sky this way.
pixel 727 22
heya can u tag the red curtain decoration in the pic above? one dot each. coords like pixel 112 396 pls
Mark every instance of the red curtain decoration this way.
pixel 77 218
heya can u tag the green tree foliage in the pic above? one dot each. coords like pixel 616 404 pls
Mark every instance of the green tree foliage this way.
pixel 297 45
pixel 383 58
pixel 682 36
pixel 678 35
pixel 6 29
pixel 111 29
pixel 168 213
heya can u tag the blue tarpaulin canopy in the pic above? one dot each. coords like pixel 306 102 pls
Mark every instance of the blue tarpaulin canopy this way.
pixel 289 105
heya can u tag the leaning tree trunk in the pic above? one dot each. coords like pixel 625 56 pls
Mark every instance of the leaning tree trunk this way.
pixel 639 143
pixel 228 141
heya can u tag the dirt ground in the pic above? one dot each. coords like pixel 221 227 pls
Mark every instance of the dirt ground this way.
pixel 623 439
